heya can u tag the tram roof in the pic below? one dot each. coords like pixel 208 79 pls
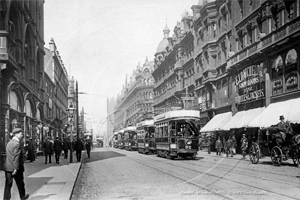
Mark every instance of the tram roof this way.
pixel 178 114
pixel 121 131
pixel 130 128
pixel 147 122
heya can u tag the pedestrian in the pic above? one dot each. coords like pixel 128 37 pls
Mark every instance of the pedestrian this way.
pixel 14 165
pixel 208 144
pixel 30 148
pixel 244 145
pixel 233 145
pixel 57 147
pixel 47 146
pixel 66 148
pixel 78 148
pixel 219 146
pixel 229 147
pixel 88 148
pixel 200 143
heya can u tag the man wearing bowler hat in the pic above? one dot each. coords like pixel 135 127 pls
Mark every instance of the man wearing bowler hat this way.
pixel 284 127
pixel 14 165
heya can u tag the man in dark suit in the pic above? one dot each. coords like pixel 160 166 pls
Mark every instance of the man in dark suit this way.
pixel 57 149
pixel 78 148
pixel 14 165
pixel 66 147
pixel 88 148
pixel 47 146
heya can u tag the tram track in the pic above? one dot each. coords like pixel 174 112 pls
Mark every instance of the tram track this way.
pixel 215 176
pixel 208 190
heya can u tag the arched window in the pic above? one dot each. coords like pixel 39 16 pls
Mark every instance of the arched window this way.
pixel 291 73
pixel 14 101
pixel 28 109
pixel 277 75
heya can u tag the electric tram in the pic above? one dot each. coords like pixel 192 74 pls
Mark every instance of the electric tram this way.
pixel 120 142
pixel 145 132
pixel 130 138
pixel 176 134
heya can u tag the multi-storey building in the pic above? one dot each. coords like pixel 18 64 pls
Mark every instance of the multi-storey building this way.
pixel 22 68
pixel 136 99
pixel 174 69
pixel 242 58
pixel 56 95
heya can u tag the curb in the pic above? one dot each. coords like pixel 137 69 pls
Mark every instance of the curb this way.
pixel 76 176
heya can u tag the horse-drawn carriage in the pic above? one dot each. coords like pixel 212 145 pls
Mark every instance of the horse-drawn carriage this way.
pixel 271 143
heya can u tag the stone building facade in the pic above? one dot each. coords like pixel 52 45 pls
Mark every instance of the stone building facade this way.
pixel 136 99
pixel 22 67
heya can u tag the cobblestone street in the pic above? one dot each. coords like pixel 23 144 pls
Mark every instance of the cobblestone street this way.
pixel 119 174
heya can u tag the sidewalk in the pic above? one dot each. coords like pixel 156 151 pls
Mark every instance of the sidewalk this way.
pixel 265 159
pixel 46 181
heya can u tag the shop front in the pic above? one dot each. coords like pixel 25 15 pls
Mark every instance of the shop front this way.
pixel 249 101
pixel 284 89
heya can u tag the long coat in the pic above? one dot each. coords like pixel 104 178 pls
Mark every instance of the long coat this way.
pixel 14 156
pixel 78 145
pixel 47 147
pixel 57 147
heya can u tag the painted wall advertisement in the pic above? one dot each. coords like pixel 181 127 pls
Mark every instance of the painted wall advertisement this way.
pixel 250 84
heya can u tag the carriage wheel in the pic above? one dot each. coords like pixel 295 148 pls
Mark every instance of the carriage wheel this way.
pixel 276 155
pixel 296 156
pixel 254 153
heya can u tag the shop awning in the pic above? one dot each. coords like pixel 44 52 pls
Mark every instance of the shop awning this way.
pixel 242 119
pixel 290 109
pixel 216 122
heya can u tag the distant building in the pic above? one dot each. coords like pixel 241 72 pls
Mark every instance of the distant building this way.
pixel 136 99
pixel 56 92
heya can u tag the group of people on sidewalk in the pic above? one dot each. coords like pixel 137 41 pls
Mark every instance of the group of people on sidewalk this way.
pixel 229 146
pixel 58 146
pixel 15 158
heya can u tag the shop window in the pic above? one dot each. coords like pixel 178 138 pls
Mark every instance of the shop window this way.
pixel 291 74
pixel 277 75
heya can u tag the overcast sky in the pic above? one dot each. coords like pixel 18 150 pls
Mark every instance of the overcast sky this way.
pixel 100 41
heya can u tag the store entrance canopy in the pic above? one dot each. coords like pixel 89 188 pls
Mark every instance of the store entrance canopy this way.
pixel 242 119
pixel 290 109
pixel 216 122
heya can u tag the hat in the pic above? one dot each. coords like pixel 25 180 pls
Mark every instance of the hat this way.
pixel 281 117
pixel 16 130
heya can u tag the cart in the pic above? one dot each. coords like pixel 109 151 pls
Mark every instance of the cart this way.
pixel 270 143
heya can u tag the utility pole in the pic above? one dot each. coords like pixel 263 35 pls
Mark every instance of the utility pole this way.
pixel 77 112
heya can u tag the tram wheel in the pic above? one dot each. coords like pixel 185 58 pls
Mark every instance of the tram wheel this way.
pixel 254 153
pixel 296 156
pixel 276 156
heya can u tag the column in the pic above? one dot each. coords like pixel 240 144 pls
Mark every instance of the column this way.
pixel 4 124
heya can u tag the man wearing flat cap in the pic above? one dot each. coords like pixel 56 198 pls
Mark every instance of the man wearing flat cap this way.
pixel 14 165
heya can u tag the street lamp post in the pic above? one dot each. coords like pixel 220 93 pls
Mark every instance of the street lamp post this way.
pixel 71 111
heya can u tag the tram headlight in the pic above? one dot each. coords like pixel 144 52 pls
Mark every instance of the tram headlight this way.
pixel 129 144
pixel 146 145
pixel 173 146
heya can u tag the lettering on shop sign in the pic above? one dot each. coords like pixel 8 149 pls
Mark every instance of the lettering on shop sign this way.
pixel 250 84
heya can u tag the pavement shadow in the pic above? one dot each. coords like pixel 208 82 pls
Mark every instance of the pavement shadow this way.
pixel 97 156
